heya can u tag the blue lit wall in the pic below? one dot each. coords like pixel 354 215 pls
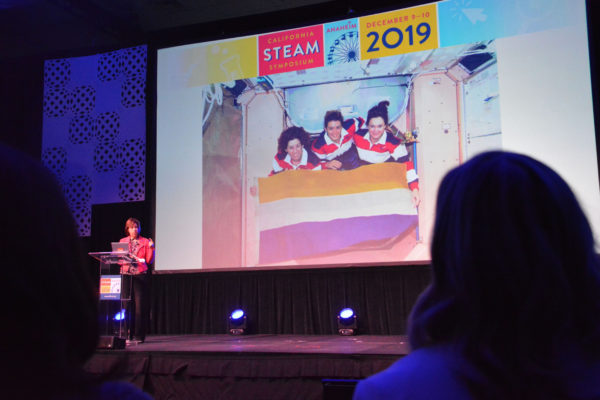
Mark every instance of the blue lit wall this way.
pixel 94 128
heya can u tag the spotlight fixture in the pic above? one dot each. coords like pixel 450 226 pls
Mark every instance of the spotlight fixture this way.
pixel 347 322
pixel 237 322
pixel 120 316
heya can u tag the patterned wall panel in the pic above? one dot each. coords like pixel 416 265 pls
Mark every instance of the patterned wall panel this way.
pixel 94 133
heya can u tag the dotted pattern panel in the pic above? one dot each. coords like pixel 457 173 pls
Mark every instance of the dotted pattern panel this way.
pixel 110 66
pixel 132 154
pixel 78 190
pixel 111 152
pixel 84 100
pixel 57 73
pixel 108 126
pixel 83 216
pixel 132 186
pixel 55 159
pixel 106 157
pixel 82 129
pixel 57 101
pixel 133 92
pixel 134 62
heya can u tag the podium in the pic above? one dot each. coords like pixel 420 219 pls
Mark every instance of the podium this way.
pixel 115 287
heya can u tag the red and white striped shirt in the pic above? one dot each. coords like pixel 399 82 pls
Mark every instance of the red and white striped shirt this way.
pixel 387 148
pixel 283 162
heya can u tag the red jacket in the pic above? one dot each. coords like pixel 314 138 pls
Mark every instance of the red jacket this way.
pixel 142 250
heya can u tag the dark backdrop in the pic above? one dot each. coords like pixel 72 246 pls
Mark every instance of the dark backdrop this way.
pixel 287 301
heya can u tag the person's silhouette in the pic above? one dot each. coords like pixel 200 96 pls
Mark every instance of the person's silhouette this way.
pixel 512 309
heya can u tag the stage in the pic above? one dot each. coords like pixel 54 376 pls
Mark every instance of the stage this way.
pixel 249 367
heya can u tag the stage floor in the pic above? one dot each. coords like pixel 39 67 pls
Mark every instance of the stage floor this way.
pixel 247 366
pixel 306 344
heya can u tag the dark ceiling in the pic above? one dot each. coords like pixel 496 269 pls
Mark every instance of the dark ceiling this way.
pixel 56 27
pixel 59 28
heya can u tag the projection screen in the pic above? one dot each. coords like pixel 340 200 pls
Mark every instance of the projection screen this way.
pixel 460 79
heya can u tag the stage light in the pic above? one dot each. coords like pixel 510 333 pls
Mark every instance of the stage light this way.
pixel 347 322
pixel 120 316
pixel 237 322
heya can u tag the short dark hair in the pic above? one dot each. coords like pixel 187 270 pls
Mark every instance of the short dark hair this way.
pixel 332 115
pixel 294 132
pixel 515 276
pixel 380 110
pixel 130 222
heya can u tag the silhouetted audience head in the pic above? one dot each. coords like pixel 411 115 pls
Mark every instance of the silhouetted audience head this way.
pixel 48 297
pixel 516 279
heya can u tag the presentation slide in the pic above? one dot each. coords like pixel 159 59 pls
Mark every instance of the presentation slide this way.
pixel 324 145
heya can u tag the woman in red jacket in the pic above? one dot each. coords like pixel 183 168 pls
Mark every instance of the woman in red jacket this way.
pixel 143 249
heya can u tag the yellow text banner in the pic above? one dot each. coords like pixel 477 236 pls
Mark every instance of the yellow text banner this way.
pixel 399 32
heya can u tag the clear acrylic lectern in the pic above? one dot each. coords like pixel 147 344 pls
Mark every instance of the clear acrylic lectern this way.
pixel 115 286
